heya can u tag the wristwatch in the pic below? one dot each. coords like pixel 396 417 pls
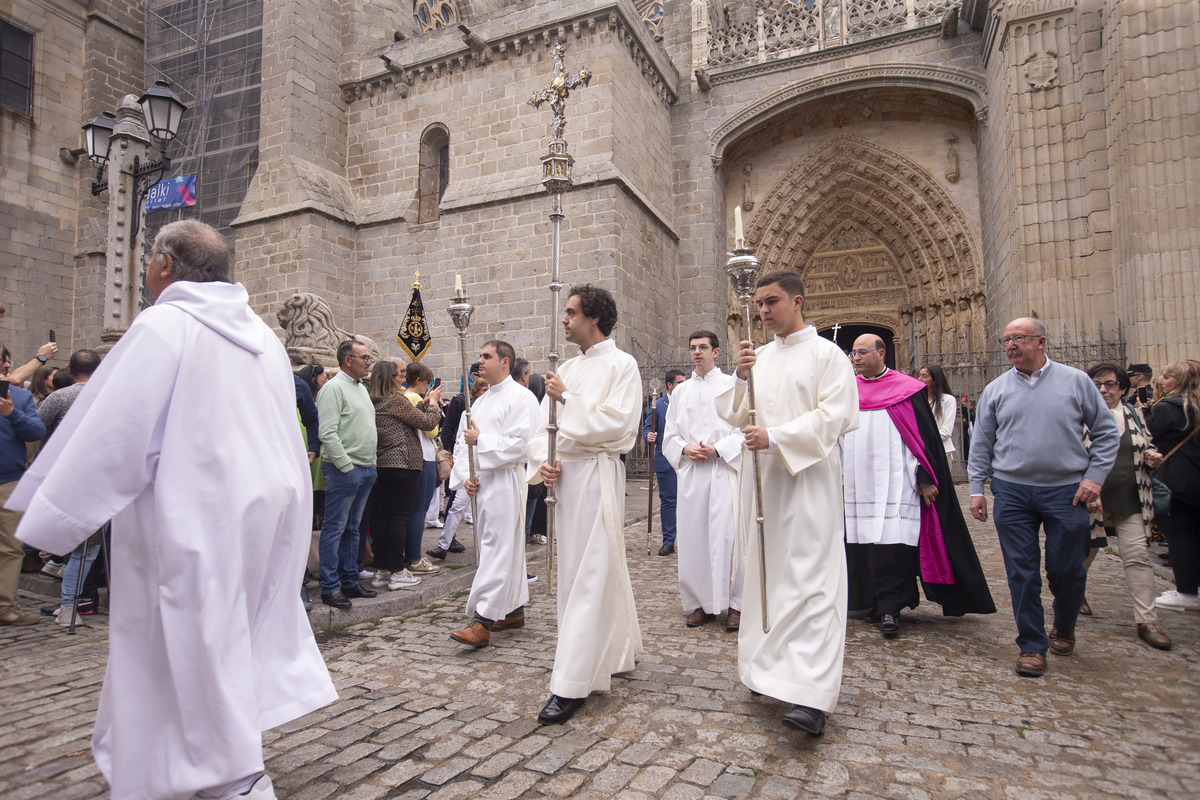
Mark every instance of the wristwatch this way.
pixel 40 358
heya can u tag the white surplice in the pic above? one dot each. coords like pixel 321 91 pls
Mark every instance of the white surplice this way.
pixel 507 418
pixel 210 495
pixel 806 398
pixel 598 633
pixel 705 520
pixel 879 474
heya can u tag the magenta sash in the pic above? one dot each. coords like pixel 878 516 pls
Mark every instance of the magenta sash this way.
pixel 893 393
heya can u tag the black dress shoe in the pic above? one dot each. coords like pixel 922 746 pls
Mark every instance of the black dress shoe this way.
pixel 456 546
pixel 666 550
pixel 336 599
pixel 560 709
pixel 806 719
pixel 890 626
pixel 357 590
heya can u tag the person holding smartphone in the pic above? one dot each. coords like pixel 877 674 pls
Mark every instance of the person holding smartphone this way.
pixel 19 424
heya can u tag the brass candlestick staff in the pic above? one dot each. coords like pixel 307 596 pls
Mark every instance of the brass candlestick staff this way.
pixel 556 177
pixel 460 312
pixel 742 268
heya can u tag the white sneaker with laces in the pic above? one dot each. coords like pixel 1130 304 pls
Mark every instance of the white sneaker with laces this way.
pixel 366 573
pixel 63 617
pixel 1178 601
pixel 382 578
pixel 402 580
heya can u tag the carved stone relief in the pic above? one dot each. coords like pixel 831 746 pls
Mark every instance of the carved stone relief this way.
pixel 1041 69
pixel 310 334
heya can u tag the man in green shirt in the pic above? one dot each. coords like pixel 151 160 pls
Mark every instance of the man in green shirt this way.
pixel 348 439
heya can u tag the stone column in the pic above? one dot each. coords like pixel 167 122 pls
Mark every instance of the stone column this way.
pixel 123 252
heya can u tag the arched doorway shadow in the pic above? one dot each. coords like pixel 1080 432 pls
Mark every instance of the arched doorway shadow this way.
pixel 846 334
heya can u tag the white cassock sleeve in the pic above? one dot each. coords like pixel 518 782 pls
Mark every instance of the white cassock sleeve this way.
pixel 112 453
pixel 672 439
pixel 603 420
pixel 812 435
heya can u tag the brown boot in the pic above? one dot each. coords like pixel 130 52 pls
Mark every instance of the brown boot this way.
pixel 698 618
pixel 509 622
pixel 474 635
pixel 1062 643
pixel 1032 665
pixel 1151 634
pixel 31 563
pixel 733 620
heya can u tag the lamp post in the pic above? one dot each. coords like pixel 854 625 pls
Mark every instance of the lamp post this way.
pixel 119 146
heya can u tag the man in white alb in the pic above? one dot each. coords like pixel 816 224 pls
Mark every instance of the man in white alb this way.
pixel 600 392
pixel 806 399
pixel 706 453
pixel 210 497
pixel 503 420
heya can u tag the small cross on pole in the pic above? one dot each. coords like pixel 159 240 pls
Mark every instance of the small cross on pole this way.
pixel 837 326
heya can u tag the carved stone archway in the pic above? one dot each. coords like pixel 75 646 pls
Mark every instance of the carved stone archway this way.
pixel 878 241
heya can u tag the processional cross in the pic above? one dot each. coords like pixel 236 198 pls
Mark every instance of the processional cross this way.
pixel 837 326
pixel 559 89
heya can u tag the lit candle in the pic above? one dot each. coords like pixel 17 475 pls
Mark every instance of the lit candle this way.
pixel 737 226
pixel 458 285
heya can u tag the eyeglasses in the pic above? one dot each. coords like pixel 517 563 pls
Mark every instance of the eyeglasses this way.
pixel 1110 385
pixel 365 359
pixel 1019 339
pixel 863 352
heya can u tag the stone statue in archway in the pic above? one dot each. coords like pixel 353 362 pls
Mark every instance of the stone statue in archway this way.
pixel 310 334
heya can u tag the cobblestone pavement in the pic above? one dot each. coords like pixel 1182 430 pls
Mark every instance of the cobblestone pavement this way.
pixel 937 713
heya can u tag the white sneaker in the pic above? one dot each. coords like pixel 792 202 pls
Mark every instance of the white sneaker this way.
pixel 63 617
pixel 54 570
pixel 1178 601
pixel 366 573
pixel 436 524
pixel 402 580
pixel 382 578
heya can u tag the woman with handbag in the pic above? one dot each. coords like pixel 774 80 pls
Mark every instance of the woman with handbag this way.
pixel 1126 503
pixel 1174 423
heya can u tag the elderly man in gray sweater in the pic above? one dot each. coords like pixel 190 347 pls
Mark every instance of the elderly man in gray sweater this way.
pixel 1029 439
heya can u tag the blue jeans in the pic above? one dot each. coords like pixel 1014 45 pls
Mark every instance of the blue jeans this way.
pixel 426 486
pixel 75 572
pixel 1019 512
pixel 667 487
pixel 345 500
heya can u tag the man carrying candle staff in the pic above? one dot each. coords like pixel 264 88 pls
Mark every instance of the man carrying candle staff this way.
pixel 805 401
pixel 600 392
pixel 503 421
pixel 706 453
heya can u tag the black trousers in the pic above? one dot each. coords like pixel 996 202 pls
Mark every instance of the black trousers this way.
pixel 1182 527
pixel 883 577
pixel 391 506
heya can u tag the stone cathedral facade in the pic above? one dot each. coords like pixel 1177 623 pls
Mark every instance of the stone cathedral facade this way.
pixel 932 168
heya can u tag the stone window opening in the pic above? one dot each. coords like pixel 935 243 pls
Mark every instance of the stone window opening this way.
pixel 434 174
pixel 433 14
pixel 16 69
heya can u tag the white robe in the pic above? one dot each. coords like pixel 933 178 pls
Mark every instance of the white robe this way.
pixel 806 398
pixel 710 559
pixel 598 633
pixel 210 496
pixel 507 417
pixel 880 483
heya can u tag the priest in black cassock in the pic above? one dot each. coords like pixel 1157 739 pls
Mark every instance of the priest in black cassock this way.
pixel 902 516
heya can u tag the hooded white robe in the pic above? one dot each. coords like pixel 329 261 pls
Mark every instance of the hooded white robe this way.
pixel 507 417
pixel 210 496
pixel 598 633
pixel 806 398
pixel 710 558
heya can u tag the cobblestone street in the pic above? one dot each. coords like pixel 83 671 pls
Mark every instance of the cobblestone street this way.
pixel 936 713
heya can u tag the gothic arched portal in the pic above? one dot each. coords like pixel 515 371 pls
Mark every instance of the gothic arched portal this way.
pixel 879 242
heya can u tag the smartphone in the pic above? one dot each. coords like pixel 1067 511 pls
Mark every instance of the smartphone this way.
pixel 1143 394
pixel 437 382
pixel 3 388
pixel 52 334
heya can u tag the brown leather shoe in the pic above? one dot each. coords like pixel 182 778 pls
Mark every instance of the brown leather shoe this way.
pixel 1062 643
pixel 31 563
pixel 509 622
pixel 1151 634
pixel 1032 665
pixel 474 634
pixel 733 620
pixel 698 618
pixel 1084 608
